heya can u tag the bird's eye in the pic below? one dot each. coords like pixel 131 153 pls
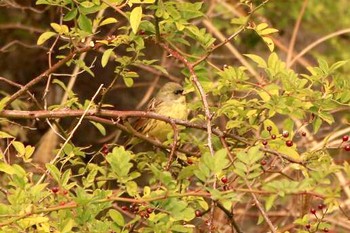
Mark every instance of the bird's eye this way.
pixel 178 92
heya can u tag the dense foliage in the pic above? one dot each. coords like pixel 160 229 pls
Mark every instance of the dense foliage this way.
pixel 264 149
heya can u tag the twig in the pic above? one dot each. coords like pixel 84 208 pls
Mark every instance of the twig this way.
pixel 261 209
pixel 21 86
pixel 231 218
pixel 47 72
pixel 174 145
pixel 42 114
pixel 317 42
pixel 295 32
pixel 70 135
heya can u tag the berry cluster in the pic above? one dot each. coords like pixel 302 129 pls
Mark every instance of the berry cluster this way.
pixel 311 227
pixel 345 139
pixel 135 208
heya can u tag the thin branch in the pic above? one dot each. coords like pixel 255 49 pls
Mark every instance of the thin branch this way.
pixel 317 42
pixel 230 216
pixel 261 209
pixel 46 73
pixel 71 134
pixel 174 146
pixel 115 114
pixel 295 33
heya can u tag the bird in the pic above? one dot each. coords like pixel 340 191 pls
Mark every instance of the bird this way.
pixel 169 101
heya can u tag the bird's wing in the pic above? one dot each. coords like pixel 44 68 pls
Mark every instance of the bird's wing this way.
pixel 140 124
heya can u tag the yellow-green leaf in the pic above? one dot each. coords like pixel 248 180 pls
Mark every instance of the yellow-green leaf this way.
pixel 108 21
pixel 5 135
pixel 135 18
pixel 61 29
pixel 269 42
pixel 105 57
pixel 44 37
pixel 19 147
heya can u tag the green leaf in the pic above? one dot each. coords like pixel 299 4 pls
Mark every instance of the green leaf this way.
pixel 116 217
pixel 44 37
pixel 128 82
pixel 68 226
pixel 135 18
pixel 100 127
pixel 290 152
pixel 119 159
pixel 105 57
pixel 54 172
pixel 3 102
pixel 258 60
pixel 141 1
pixel 131 188
pixel 70 15
pixel 85 23
pixel 87 4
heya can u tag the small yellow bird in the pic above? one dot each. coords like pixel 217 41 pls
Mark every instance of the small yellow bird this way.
pixel 170 102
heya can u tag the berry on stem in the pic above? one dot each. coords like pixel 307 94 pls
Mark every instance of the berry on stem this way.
pixel 105 149
pixel 224 180
pixel 345 138
pixel 308 226
pixel 149 210
pixel 273 136
pixel 325 229
pixel 347 147
pixel 285 134
pixel 313 211
pixel 264 142
pixel 198 213
pixel 55 189
pixel 289 143
pixel 269 128
pixel 303 134
pixel 263 162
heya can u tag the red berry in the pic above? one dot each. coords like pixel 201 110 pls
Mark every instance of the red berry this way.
pixel 198 213
pixel 325 229
pixel 308 226
pixel 189 161
pixel 264 142
pixel 149 210
pixel 273 136
pixel 55 189
pixel 345 138
pixel 269 128
pixel 65 192
pixel 146 215
pixel 224 180
pixel 62 203
pixel 125 208
pixel 263 162
pixel 303 134
pixel 347 147
pixel 105 149
pixel 285 134
pixel 320 206
pixel 289 143
pixel 313 211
